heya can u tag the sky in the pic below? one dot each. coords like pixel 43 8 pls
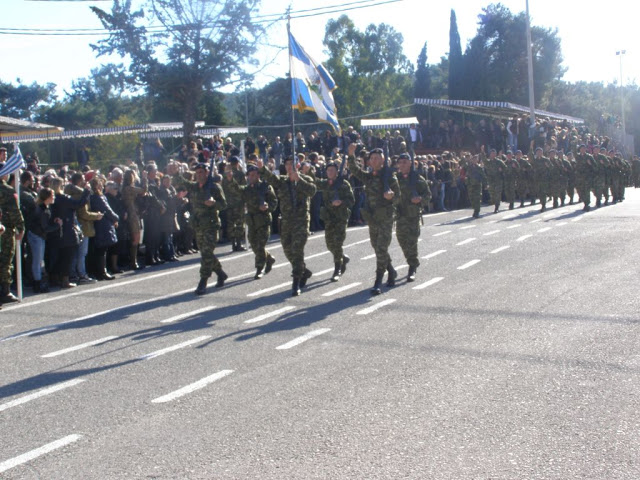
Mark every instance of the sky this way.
pixel 590 36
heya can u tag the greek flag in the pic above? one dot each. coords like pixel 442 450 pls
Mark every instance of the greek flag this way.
pixel 311 86
pixel 14 163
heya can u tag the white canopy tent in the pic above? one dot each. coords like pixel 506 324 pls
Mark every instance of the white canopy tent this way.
pixel 387 123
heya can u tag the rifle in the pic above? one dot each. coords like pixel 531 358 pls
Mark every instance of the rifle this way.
pixel 262 192
pixel 386 174
pixel 413 179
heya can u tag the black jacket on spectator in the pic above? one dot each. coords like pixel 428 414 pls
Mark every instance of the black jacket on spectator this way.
pixel 40 221
pixel 65 208
pixel 105 228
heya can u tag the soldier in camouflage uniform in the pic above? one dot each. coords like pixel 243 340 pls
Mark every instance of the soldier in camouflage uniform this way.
pixel 635 170
pixel 338 199
pixel 541 175
pixel 14 231
pixel 495 169
pixel 294 191
pixel 526 185
pixel 558 179
pixel 602 180
pixel 511 177
pixel 207 199
pixel 261 201
pixel 568 164
pixel 235 206
pixel 378 211
pixel 584 176
pixel 476 179
pixel 415 194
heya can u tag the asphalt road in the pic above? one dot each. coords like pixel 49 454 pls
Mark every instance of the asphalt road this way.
pixel 515 355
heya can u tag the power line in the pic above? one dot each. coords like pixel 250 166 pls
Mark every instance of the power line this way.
pixel 357 5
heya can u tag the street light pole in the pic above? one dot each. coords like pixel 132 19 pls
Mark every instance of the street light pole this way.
pixel 532 105
pixel 620 53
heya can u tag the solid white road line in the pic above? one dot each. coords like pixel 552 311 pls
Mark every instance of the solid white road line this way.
pixel 433 281
pixel 492 232
pixel 375 307
pixel 500 249
pixel 40 393
pixel 79 347
pixel 433 254
pixel 464 242
pixel 270 289
pixel 441 233
pixel 49 447
pixel 545 229
pixel 187 315
pixel 303 338
pixel 192 387
pixel 515 226
pixel 173 348
pixel 468 227
pixel 269 315
pixel 468 264
pixel 523 238
pixel 341 289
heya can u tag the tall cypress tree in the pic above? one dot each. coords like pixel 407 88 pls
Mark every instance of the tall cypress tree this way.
pixel 422 85
pixel 456 69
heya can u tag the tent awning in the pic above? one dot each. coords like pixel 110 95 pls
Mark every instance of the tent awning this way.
pixel 12 129
pixel 387 123
pixel 491 109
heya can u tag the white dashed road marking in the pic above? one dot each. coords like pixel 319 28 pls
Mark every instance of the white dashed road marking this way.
pixel 49 447
pixel 523 238
pixel 500 249
pixel 434 254
pixel 182 316
pixel 40 393
pixel 375 307
pixel 464 242
pixel 341 289
pixel 173 348
pixel 468 264
pixel 433 281
pixel 303 338
pixel 269 315
pixel 79 347
pixel 441 233
pixel 192 387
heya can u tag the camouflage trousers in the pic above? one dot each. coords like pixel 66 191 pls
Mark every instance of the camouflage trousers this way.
pixel 380 233
pixel 235 223
pixel 510 192
pixel 584 193
pixel 293 236
pixel 258 238
pixel 207 240
pixel 335 234
pixel 475 197
pixel 543 193
pixel 496 194
pixel 407 233
pixel 7 254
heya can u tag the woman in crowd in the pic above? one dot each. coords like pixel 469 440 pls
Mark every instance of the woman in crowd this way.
pixel 129 194
pixel 41 223
pixel 105 228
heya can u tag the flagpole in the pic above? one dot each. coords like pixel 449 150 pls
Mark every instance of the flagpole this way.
pixel 19 242
pixel 293 112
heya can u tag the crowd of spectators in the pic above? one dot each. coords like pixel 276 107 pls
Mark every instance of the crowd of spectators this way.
pixel 87 225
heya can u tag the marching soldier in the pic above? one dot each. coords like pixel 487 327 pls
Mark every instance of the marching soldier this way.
pixel 261 201
pixel 207 199
pixel 495 169
pixel 14 231
pixel 294 191
pixel 541 175
pixel 235 206
pixel 584 175
pixel 338 199
pixel 383 193
pixel 415 194
pixel 476 181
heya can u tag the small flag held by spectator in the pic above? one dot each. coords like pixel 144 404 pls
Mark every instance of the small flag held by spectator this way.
pixel 14 162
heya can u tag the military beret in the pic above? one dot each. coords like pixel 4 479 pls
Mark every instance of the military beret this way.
pixel 251 168
pixel 234 159
pixel 539 148
pixel 553 150
pixel 332 164
pixel 518 151
pixel 493 150
pixel 509 152
pixel 404 156
pixel 201 165
pixel 582 145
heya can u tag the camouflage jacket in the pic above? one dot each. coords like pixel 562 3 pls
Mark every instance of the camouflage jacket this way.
pixel 376 205
pixel 344 192
pixel 11 215
pixel 203 216
pixel 406 208
pixel 294 197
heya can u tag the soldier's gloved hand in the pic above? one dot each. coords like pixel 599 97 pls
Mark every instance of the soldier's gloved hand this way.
pixel 416 200
pixel 210 203
pixel 351 149
pixel 336 203
pixel 19 235
pixel 389 194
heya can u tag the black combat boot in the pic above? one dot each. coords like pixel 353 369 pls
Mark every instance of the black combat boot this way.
pixel 562 202
pixel 555 202
pixel 598 203
pixel 497 209
pixel 295 287
pixel 239 246
pixel 221 278
pixel 202 286
pixel 258 274
pixel 411 277
pixel 586 207
pixel 305 276
pixel 343 267
pixel 37 286
pixel 269 266
pixel 377 286
pixel 511 206
pixel 391 276
pixel 521 203
pixel 336 272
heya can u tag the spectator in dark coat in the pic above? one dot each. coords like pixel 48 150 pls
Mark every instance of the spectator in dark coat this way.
pixel 105 228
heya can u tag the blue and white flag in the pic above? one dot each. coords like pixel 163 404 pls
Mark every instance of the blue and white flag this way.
pixel 312 86
pixel 14 163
